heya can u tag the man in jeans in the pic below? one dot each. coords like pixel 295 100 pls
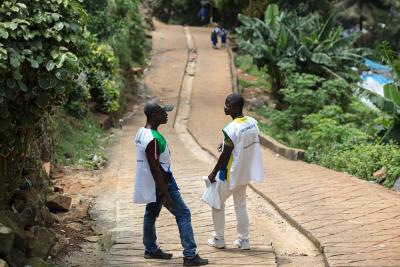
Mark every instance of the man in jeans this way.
pixel 239 163
pixel 156 186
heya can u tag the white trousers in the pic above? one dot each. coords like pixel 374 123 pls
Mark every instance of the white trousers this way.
pixel 242 218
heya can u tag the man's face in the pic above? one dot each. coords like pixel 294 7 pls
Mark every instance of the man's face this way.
pixel 161 116
pixel 228 108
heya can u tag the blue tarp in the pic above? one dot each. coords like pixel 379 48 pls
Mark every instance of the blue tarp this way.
pixel 376 66
pixel 378 78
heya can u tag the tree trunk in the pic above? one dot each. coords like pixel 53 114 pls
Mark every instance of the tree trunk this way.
pixel 277 81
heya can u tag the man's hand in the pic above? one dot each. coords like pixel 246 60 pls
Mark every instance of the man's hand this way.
pixel 219 148
pixel 211 177
pixel 167 201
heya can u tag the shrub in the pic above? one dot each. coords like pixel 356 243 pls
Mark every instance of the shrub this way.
pixel 324 131
pixel 104 77
pixel 365 159
pixel 307 93
pixel 37 65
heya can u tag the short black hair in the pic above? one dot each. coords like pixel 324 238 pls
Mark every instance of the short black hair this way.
pixel 236 99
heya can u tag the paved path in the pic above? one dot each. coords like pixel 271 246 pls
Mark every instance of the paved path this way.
pixel 356 222
pixel 163 80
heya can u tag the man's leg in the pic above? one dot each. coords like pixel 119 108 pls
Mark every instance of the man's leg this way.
pixel 239 200
pixel 218 216
pixel 184 222
pixel 149 226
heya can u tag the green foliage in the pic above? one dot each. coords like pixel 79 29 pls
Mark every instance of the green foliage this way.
pixel 308 43
pixel 365 159
pixel 76 103
pixel 245 63
pixel 322 133
pixel 104 77
pixel 176 11
pixel 38 41
pixel 390 102
pixel 78 140
pixel 114 43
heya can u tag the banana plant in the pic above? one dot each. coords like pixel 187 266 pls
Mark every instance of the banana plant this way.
pixel 390 101
pixel 268 42
pixel 311 44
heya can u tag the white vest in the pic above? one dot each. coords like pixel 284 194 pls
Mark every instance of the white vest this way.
pixel 145 187
pixel 246 162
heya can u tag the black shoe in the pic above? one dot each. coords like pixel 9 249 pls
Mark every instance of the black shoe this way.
pixel 194 261
pixel 159 254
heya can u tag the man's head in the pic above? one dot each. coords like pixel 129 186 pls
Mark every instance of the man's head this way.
pixel 155 113
pixel 234 105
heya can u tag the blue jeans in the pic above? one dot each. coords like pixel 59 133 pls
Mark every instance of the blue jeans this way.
pixel 183 220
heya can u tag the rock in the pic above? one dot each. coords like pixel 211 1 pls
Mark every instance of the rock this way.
pixel 92 239
pixel 396 186
pixel 60 246
pixel 58 189
pixel 59 202
pixel 12 220
pixel 137 70
pixel 16 258
pixel 379 175
pixel 28 216
pixel 36 262
pixel 47 217
pixel 6 239
pixel 75 226
pixel 18 205
pixel 43 240
pixel 3 263
pixel 47 168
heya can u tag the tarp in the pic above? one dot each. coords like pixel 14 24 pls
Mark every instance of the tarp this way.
pixel 375 66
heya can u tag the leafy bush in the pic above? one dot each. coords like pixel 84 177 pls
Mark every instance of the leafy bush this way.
pixel 365 159
pixel 104 77
pixel 37 65
pixel 114 43
pixel 310 43
pixel 176 11
pixel 325 131
pixel 76 103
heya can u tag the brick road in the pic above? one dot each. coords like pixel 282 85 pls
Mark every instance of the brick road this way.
pixel 356 222
pixel 163 80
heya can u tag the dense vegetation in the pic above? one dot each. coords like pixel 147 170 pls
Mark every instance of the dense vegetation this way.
pixel 309 63
pixel 57 57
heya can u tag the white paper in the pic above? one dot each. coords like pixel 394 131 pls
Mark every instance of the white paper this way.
pixel 211 194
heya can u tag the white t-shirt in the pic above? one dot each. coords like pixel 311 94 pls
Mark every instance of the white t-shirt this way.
pixel 145 187
pixel 246 163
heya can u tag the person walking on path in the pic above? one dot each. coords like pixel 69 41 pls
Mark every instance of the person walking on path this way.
pixel 223 35
pixel 239 163
pixel 214 36
pixel 155 186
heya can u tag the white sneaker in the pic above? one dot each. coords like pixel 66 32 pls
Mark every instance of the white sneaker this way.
pixel 216 243
pixel 242 244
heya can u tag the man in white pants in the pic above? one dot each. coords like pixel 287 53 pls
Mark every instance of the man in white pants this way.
pixel 239 163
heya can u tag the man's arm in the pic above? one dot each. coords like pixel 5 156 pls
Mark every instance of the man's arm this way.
pixel 154 164
pixel 223 158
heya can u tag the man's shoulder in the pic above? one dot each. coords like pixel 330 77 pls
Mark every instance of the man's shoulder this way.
pixel 143 136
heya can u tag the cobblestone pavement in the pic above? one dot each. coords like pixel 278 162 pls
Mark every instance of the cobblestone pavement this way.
pixel 356 222
pixel 164 80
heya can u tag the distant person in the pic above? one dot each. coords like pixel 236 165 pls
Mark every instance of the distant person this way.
pixel 239 163
pixel 202 15
pixel 223 33
pixel 214 36
pixel 155 186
